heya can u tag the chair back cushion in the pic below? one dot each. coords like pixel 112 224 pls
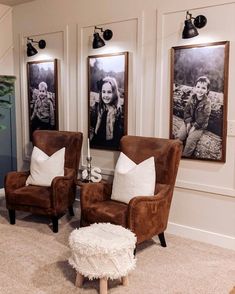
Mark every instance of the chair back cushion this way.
pixel 131 180
pixel 166 152
pixel 44 168
pixel 51 141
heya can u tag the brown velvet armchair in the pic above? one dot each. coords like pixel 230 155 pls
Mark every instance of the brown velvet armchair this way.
pixel 50 201
pixel 145 216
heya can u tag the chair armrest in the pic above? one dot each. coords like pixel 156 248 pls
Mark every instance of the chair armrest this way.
pixel 66 178
pixel 149 214
pixel 93 192
pixel 14 180
pixel 69 174
pixel 63 189
pixel 161 192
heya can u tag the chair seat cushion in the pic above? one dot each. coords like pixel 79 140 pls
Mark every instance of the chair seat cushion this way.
pixel 32 196
pixel 106 211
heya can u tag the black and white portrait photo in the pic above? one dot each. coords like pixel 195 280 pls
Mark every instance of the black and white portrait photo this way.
pixel 107 94
pixel 198 114
pixel 42 95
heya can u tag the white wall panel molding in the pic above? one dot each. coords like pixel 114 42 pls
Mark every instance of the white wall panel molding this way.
pixel 159 75
pixel 212 189
pixel 82 67
pixel 81 92
pixel 231 128
pixel 139 78
pixel 63 78
pixel 132 43
pixel 160 71
pixel 196 6
pixel 208 177
pixel 5 13
pixel 186 185
pixel 201 235
pixel 24 97
pixel 81 79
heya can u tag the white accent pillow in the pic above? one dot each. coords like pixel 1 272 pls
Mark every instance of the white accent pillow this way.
pixel 44 168
pixel 131 179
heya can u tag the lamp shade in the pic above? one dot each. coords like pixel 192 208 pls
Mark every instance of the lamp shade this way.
pixel 97 41
pixel 31 50
pixel 189 30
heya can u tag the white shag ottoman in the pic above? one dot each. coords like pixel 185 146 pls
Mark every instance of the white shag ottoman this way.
pixel 102 251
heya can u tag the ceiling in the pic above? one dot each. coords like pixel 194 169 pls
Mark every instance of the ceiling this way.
pixel 14 2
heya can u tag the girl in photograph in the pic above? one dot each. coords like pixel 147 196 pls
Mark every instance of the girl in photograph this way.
pixel 106 119
pixel 196 116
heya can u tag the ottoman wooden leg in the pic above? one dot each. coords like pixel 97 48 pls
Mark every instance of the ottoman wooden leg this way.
pixel 125 281
pixel 103 286
pixel 79 280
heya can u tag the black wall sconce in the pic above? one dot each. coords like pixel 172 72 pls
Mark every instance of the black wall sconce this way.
pixel 98 41
pixel 190 30
pixel 31 50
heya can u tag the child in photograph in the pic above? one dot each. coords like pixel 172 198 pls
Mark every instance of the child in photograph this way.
pixel 106 116
pixel 196 116
pixel 43 116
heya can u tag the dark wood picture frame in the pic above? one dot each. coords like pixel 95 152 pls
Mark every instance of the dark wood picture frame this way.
pixel 107 99
pixel 42 80
pixel 188 63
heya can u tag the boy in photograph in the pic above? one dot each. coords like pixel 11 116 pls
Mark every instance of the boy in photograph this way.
pixel 196 116
pixel 43 116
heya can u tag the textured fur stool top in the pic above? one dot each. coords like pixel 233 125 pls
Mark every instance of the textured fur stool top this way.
pixel 102 251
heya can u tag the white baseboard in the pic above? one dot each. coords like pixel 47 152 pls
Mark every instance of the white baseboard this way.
pixel 201 235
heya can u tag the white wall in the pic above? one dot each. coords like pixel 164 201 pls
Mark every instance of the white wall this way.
pixel 204 202
pixel 6 44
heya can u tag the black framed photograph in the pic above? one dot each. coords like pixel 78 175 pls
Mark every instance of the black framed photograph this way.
pixel 198 108
pixel 42 95
pixel 107 99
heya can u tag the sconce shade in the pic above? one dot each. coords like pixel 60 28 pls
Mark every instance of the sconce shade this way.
pixel 190 30
pixel 42 44
pixel 31 51
pixel 97 41
pixel 107 34
pixel 200 21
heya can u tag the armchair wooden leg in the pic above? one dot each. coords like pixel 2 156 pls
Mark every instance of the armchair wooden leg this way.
pixel 162 239
pixel 55 224
pixel 134 251
pixel 79 280
pixel 71 212
pixel 12 216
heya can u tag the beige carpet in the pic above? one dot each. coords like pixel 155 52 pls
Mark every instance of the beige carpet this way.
pixel 33 260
